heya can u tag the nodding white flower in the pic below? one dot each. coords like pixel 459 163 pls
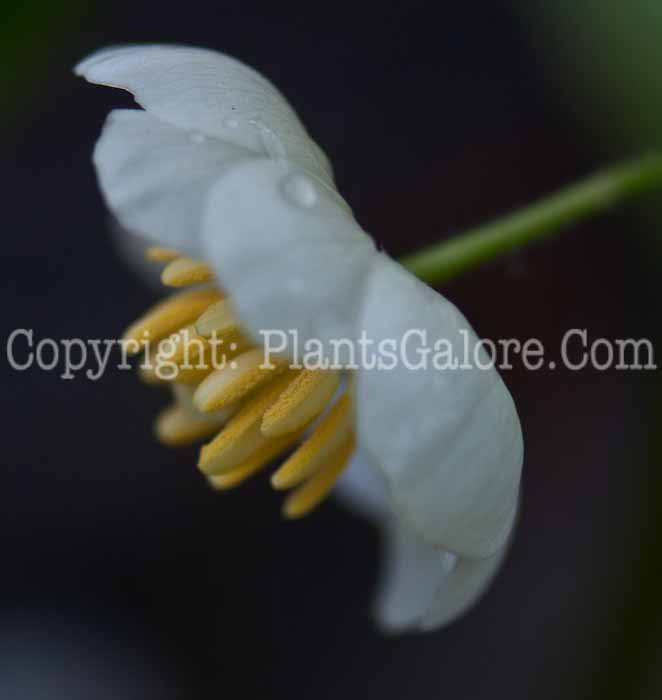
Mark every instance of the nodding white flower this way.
pixel 218 170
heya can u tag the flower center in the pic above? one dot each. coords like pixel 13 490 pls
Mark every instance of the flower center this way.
pixel 257 408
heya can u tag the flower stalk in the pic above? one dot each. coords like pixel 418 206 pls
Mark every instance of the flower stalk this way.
pixel 594 195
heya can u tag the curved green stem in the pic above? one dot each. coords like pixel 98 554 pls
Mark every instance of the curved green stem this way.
pixel 594 195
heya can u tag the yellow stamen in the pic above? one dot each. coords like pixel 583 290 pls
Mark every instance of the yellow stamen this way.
pixel 228 345
pixel 242 436
pixel 183 272
pixel 218 320
pixel 238 378
pixel 201 362
pixel 193 376
pixel 220 381
pixel 147 369
pixel 253 464
pixel 189 358
pixel 177 361
pixel 304 399
pixel 156 253
pixel 168 317
pixel 188 347
pixel 329 433
pixel 176 426
pixel 184 347
pixel 303 499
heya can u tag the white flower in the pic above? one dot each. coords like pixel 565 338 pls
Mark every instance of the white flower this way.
pixel 219 166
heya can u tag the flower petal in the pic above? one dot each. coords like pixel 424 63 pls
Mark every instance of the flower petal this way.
pixel 288 251
pixel 425 587
pixel 448 440
pixel 422 587
pixel 155 178
pixel 204 91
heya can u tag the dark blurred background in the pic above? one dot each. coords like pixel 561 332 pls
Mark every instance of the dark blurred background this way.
pixel 123 575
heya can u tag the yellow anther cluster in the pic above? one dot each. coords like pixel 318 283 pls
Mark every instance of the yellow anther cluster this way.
pixel 256 408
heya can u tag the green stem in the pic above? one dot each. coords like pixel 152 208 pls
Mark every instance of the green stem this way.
pixel 598 193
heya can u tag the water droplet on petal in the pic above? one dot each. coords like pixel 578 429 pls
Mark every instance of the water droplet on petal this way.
pixel 197 137
pixel 299 190
pixel 271 142
pixel 449 562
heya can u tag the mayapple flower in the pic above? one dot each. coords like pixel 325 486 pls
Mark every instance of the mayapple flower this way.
pixel 219 173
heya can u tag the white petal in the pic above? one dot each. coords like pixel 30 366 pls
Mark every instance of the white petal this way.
pixel 155 178
pixel 288 251
pixel 460 588
pixel 422 587
pixel 448 441
pixel 208 92
pixel 426 587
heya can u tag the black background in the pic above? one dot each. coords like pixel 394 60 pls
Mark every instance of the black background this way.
pixel 123 575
